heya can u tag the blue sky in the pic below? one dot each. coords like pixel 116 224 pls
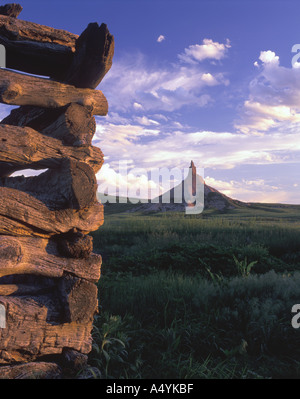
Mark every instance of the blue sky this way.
pixel 205 80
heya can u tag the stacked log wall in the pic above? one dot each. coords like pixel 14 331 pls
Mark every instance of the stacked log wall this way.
pixel 48 270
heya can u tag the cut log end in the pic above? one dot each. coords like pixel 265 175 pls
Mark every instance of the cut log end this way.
pixel 10 251
pixel 10 92
pixel 75 245
pixel 92 58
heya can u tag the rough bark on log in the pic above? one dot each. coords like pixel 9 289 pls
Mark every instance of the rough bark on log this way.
pixel 92 58
pixel 32 330
pixel 20 89
pixel 41 257
pixel 32 370
pixel 22 214
pixel 73 124
pixel 24 148
pixel 11 10
pixel 82 61
pixel 47 268
pixel 16 29
pixel 72 185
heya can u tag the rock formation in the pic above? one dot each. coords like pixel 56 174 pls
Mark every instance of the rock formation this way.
pixel 177 198
pixel 47 268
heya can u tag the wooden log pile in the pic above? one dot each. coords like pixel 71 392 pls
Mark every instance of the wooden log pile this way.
pixel 48 269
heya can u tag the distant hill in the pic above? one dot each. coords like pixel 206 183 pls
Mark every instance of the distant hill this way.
pixel 178 198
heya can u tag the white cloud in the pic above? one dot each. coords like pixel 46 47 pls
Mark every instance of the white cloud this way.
pixel 137 106
pixel 148 147
pixel 207 50
pixel 144 120
pixel 220 150
pixel 209 79
pixel 269 57
pixel 274 97
pixel 257 190
pixel 125 181
pixel 133 85
pixel 161 38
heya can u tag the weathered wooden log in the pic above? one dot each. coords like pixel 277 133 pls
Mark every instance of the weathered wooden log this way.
pixel 41 257
pixel 92 58
pixel 22 214
pixel 47 268
pixel 32 370
pixel 11 10
pixel 17 29
pixel 79 299
pixel 72 185
pixel 51 203
pixel 20 89
pixel 24 148
pixel 35 48
pixel 73 124
pixel 33 330
pixel 81 61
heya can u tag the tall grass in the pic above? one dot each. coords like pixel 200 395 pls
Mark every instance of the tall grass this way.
pixel 173 326
pixel 205 297
pixel 279 236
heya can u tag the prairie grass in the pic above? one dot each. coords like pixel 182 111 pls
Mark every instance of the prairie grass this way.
pixel 202 297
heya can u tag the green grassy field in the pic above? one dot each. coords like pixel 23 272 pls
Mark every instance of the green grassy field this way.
pixel 204 296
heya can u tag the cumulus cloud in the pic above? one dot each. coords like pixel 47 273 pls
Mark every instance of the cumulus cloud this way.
pixel 161 38
pixel 211 150
pixel 274 97
pixel 269 57
pixel 207 50
pixel 125 181
pixel 150 147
